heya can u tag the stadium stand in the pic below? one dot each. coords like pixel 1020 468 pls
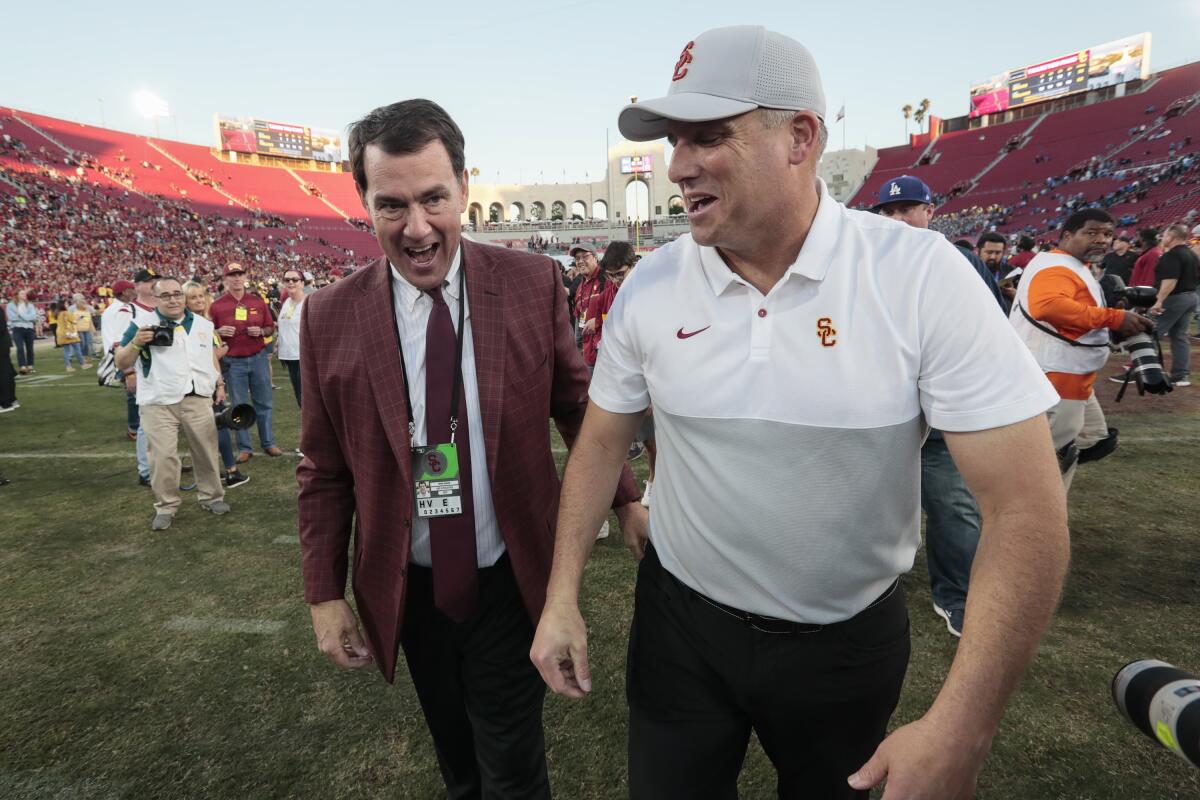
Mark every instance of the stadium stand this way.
pixel 1134 154
pixel 184 209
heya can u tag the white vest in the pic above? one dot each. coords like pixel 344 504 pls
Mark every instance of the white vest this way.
pixel 184 367
pixel 1051 354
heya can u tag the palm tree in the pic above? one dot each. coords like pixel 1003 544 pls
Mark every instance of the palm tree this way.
pixel 922 111
pixel 907 112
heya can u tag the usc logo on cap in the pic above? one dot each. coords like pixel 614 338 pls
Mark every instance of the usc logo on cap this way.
pixel 685 58
pixel 826 332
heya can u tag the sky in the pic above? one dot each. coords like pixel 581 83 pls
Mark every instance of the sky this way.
pixel 535 86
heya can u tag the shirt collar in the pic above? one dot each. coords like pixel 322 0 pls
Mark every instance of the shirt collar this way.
pixel 409 295
pixel 815 253
pixel 185 320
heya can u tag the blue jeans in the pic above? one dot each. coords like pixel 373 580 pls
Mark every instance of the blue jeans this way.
pixel 85 343
pixel 250 382
pixel 225 443
pixel 70 351
pixel 952 524
pixel 133 419
pixel 23 341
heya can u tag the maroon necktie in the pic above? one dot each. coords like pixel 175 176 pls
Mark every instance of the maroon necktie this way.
pixel 452 539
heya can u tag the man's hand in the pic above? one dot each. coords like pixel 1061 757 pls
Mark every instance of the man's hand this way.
pixel 923 761
pixel 635 527
pixel 338 634
pixel 225 331
pixel 143 337
pixel 1156 309
pixel 590 326
pixel 560 650
pixel 254 331
pixel 219 397
pixel 1133 322
pixel 131 382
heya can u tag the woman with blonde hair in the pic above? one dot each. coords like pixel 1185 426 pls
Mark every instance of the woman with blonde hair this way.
pixel 198 299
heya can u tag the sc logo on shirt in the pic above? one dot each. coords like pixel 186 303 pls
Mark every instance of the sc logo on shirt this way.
pixel 826 332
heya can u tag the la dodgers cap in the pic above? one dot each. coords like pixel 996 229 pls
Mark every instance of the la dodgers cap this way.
pixel 729 71
pixel 906 188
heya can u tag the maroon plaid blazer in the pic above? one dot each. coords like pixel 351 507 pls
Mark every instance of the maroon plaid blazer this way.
pixel 356 467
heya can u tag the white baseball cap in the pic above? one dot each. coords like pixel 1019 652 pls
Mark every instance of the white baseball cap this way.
pixel 729 71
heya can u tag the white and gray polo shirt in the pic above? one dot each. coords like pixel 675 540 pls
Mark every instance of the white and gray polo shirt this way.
pixel 789 426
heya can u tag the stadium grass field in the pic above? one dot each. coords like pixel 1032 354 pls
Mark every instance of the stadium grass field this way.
pixel 182 664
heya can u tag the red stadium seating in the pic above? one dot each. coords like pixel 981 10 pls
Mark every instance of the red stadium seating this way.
pixel 1070 142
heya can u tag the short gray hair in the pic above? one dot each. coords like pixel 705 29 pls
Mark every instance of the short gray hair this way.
pixel 1177 231
pixel 782 117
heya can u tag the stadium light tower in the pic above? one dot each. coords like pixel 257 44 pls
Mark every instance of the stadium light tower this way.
pixel 151 106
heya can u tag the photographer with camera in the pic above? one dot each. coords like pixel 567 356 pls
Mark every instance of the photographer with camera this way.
pixel 178 376
pixel 1060 314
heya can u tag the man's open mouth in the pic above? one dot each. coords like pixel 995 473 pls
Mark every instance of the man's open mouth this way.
pixel 422 256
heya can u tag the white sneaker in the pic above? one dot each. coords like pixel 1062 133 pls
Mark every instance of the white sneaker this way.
pixel 1182 383
pixel 646 494
pixel 603 534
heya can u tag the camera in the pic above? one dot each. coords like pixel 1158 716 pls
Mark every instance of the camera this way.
pixel 1164 703
pixel 235 418
pixel 164 335
pixel 1146 370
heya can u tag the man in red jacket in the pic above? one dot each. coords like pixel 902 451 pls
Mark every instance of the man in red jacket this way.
pixel 428 379
pixel 1143 268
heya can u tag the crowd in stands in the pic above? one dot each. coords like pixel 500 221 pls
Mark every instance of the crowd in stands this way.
pixel 60 234
pixel 1053 202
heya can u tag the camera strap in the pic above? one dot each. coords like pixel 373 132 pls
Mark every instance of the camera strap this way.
pixel 458 349
pixel 1055 333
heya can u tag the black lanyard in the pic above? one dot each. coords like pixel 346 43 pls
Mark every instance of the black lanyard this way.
pixel 458 350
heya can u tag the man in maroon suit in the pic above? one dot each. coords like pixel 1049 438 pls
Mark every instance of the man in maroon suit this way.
pixel 428 381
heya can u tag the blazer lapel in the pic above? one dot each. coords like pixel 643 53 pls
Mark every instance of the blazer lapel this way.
pixel 485 295
pixel 382 362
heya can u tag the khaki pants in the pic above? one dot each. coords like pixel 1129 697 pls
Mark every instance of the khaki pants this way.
pixel 162 423
pixel 1066 421
pixel 1095 426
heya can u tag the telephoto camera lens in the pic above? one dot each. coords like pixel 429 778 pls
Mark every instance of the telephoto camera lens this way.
pixel 235 418
pixel 1164 703
pixel 1146 368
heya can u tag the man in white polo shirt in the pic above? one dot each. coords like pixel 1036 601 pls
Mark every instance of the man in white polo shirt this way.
pixel 796 354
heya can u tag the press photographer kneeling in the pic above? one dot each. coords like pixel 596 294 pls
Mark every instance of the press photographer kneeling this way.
pixel 177 378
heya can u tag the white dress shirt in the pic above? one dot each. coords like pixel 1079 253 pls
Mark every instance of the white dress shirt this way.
pixel 412 317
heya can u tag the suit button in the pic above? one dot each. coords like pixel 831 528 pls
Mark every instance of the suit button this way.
pixel 762 312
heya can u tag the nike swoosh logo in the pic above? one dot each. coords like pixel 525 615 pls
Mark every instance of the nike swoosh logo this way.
pixel 683 335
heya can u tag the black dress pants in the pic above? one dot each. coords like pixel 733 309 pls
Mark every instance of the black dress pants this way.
pixel 481 695
pixel 8 379
pixel 699 680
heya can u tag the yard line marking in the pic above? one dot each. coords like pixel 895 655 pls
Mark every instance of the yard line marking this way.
pixel 1158 439
pixel 201 625
pixel 286 540
pixel 71 456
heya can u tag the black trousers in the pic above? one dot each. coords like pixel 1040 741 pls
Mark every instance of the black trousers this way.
pixel 293 368
pixel 699 679
pixel 481 695
pixel 8 380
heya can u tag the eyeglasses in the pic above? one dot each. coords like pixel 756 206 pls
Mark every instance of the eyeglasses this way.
pixel 168 296
pixel 292 280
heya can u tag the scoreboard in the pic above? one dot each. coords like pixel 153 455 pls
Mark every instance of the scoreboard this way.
pixel 637 165
pixel 1098 67
pixel 1049 79
pixel 253 135
pixel 277 139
